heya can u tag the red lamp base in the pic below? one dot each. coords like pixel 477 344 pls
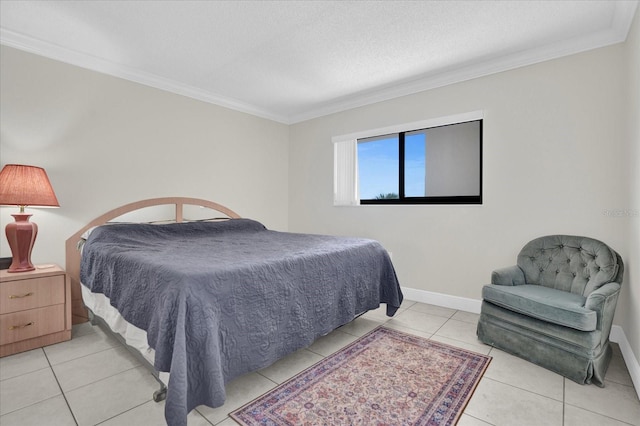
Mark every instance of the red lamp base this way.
pixel 21 235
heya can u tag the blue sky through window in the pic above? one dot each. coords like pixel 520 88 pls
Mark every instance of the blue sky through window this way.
pixel 378 166
pixel 414 165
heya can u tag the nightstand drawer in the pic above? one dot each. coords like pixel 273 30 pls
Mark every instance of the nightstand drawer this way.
pixel 32 323
pixel 32 293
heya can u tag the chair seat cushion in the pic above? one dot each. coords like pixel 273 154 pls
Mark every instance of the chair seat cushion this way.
pixel 544 303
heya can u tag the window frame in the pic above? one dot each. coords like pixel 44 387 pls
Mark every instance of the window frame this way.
pixel 345 173
pixel 449 199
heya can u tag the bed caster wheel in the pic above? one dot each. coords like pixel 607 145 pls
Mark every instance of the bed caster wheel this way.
pixel 160 395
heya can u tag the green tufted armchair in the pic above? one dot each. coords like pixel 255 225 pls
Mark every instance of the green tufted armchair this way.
pixel 555 307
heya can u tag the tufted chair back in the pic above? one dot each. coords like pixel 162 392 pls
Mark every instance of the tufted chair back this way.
pixel 578 265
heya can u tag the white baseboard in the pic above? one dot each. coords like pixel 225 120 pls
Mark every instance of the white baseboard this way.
pixel 473 305
pixel 445 300
pixel 617 336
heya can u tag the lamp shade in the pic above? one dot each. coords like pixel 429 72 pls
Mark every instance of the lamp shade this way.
pixel 22 185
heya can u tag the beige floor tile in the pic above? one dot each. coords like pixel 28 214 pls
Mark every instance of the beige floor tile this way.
pixel 438 311
pixel 574 416
pixel 614 400
pixel 79 347
pixel 514 371
pixel 332 342
pixel 102 400
pixel 239 392
pixel 617 371
pixel 406 304
pixel 466 317
pixel 460 330
pixel 282 370
pixel 504 405
pixel 466 420
pixel 479 348
pixel 227 422
pixel 395 326
pixel 22 363
pixel 22 391
pixel 360 326
pixel 379 314
pixel 151 414
pixel 50 412
pixel 418 321
pixel 85 328
pixel 91 368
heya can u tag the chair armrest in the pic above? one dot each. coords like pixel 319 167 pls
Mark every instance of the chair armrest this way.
pixel 603 301
pixel 511 275
pixel 596 299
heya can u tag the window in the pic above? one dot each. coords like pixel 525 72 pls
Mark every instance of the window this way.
pixel 431 162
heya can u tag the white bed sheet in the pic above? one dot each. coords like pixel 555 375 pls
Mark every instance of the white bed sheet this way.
pixel 134 336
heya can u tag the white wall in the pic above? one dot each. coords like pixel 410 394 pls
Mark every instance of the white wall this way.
pixel 554 162
pixel 630 305
pixel 105 142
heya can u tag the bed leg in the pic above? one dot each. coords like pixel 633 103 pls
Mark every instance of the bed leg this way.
pixel 160 394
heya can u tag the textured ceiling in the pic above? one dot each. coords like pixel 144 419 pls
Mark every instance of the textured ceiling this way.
pixel 294 60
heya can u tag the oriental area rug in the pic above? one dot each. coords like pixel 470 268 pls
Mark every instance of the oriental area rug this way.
pixel 384 378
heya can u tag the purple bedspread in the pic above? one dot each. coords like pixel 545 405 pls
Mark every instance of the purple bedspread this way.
pixel 220 299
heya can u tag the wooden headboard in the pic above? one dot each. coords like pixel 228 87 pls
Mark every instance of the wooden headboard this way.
pixel 79 312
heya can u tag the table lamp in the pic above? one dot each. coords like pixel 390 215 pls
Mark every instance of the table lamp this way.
pixel 23 186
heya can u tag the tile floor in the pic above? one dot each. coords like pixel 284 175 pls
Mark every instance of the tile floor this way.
pixel 92 380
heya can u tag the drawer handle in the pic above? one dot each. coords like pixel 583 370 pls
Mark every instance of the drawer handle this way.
pixel 15 327
pixel 20 296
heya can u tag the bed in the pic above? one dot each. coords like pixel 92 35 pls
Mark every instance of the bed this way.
pixel 208 300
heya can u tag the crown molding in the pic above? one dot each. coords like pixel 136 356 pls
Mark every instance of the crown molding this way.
pixel 623 17
pixel 83 60
pixel 617 33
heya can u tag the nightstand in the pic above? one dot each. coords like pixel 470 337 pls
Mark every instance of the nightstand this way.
pixel 35 309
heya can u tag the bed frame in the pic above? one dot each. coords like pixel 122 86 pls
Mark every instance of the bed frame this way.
pixel 80 313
